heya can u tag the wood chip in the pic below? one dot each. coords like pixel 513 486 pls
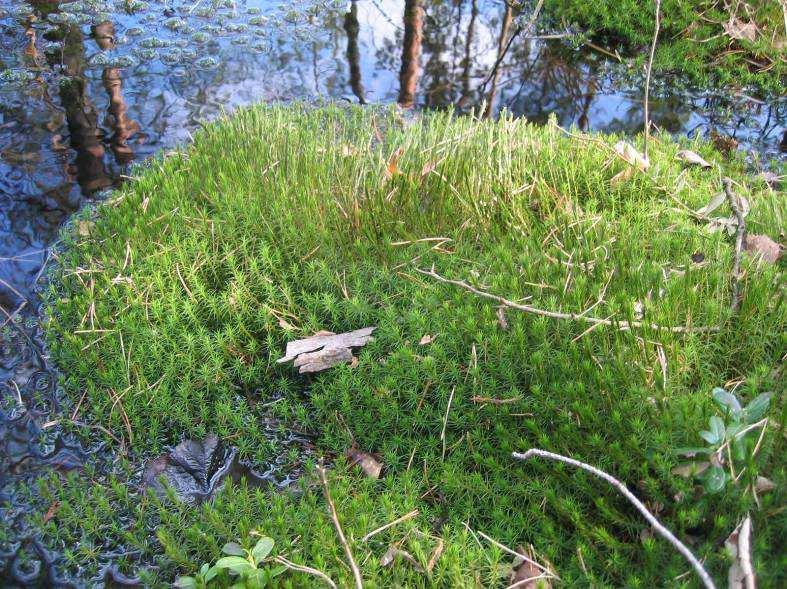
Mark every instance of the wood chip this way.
pixel 325 349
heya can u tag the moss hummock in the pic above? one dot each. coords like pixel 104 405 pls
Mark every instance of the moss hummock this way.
pixel 174 300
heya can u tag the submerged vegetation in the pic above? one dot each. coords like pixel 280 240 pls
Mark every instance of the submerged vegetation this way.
pixel 734 43
pixel 174 299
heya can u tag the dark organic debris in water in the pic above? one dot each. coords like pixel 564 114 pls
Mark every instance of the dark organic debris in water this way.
pixel 195 470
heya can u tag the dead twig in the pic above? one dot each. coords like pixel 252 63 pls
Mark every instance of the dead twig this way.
pixel 741 235
pixel 647 77
pixel 398 520
pixel 657 526
pixel 338 526
pixel 445 419
pixel 299 568
pixel 622 325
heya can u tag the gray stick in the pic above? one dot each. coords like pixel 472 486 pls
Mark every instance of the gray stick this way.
pixel 662 531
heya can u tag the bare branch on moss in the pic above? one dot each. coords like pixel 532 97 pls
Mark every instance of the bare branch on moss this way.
pixel 398 520
pixel 646 105
pixel 299 568
pixel 741 235
pixel 657 526
pixel 622 325
pixel 338 526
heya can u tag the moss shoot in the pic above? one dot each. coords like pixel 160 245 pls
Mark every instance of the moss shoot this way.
pixel 174 299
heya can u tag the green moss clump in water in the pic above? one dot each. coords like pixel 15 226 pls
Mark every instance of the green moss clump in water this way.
pixel 693 41
pixel 170 313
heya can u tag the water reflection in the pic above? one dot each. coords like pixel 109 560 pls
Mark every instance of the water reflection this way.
pixel 88 87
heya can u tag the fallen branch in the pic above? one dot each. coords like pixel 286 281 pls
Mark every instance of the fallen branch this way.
pixel 299 568
pixel 398 520
pixel 338 526
pixel 622 325
pixel 657 526
pixel 741 234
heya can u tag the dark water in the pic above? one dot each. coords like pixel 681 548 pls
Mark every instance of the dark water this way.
pixel 88 87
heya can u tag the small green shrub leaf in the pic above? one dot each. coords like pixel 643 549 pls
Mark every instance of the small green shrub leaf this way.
pixel 234 563
pixel 714 479
pixel 233 549
pixel 728 402
pixel 757 408
pixel 262 549
pixel 185 583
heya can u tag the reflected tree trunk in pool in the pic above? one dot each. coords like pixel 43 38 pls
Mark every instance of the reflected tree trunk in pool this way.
pixel 352 27
pixel 411 51
pixel 123 128
pixel 590 94
pixel 81 115
pixel 508 17
pixel 467 61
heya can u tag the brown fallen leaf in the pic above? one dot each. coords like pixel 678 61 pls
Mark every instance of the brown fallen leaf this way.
pixel 741 573
pixel 764 485
pixel 50 513
pixel 622 176
pixel 426 340
pixel 370 466
pixel 735 28
pixel 629 154
pixel 393 553
pixel 690 157
pixel 764 247
pixel 526 574
pixel 85 227
pixel 392 169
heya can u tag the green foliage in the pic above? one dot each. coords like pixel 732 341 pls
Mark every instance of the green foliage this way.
pixel 246 566
pixel 693 41
pixel 731 441
pixel 281 221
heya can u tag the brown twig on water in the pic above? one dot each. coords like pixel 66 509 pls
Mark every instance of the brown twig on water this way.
pixel 299 568
pixel 621 325
pixel 657 526
pixel 338 526
pixel 647 76
pixel 741 236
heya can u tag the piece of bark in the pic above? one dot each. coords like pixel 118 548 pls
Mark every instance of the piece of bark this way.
pixel 350 339
pixel 322 359
pixel 325 349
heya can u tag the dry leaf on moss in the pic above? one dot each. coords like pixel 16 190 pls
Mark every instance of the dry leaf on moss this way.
pixel 735 28
pixel 426 340
pixel 764 247
pixel 629 154
pixel 394 553
pixel 690 157
pixel 370 466
pixel 741 573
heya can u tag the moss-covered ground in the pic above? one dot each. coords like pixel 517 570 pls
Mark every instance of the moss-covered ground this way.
pixel 173 300
pixel 711 43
